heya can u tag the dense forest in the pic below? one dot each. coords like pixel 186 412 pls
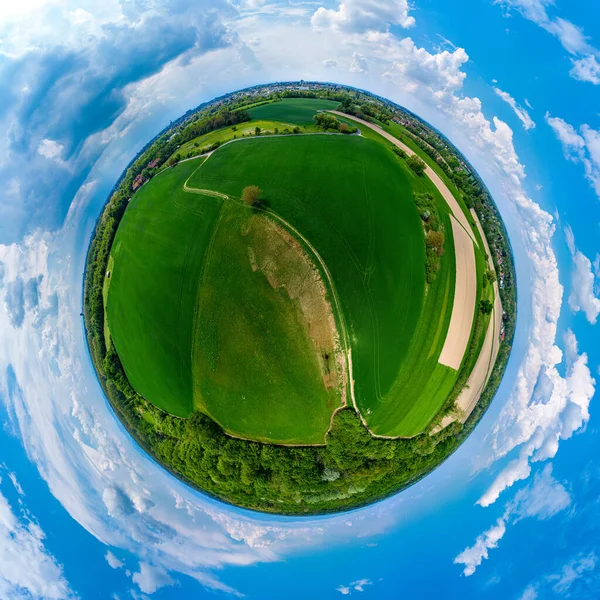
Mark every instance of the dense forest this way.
pixel 353 468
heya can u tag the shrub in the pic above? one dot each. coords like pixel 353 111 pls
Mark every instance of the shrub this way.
pixel 399 152
pixel 435 239
pixel 416 164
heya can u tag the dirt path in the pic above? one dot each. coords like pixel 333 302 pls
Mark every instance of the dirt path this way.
pixel 489 352
pixel 465 293
pixel 480 375
pixel 457 211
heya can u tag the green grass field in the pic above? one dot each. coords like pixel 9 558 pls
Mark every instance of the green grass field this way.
pixel 255 368
pixel 203 142
pixel 191 334
pixel 215 334
pixel 158 255
pixel 324 186
pixel 299 111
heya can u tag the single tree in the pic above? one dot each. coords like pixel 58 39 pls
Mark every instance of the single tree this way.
pixel 250 195
pixel 257 130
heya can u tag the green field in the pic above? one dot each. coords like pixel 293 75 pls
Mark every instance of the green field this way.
pixel 255 368
pixel 158 255
pixel 323 186
pixel 238 349
pixel 229 338
pixel 225 134
pixel 282 354
pixel 299 111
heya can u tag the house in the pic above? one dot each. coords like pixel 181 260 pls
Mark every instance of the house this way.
pixel 138 182
pixel 153 164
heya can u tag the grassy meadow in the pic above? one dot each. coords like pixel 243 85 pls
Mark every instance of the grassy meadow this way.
pixel 324 186
pixel 158 254
pixel 299 111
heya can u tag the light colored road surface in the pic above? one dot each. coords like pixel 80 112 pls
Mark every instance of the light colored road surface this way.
pixel 465 292
pixel 468 398
pixel 458 213
pixel 487 357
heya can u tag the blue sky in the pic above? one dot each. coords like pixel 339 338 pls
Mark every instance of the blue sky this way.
pixel 84 513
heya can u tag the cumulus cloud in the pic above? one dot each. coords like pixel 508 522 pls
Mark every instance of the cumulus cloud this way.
pixel 113 561
pixel 542 499
pixel 581 147
pixel 542 412
pixel 587 69
pixel 583 282
pixel 521 113
pixel 584 55
pixel 358 64
pixel 473 556
pixel 358 16
pixel 151 578
pixel 28 569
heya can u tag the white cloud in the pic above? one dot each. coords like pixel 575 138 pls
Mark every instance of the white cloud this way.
pixel 28 570
pixel 530 593
pixel 113 561
pixel 51 149
pixel 583 282
pixel 542 411
pixel 587 69
pixel 358 64
pixel 581 147
pixel 473 556
pixel 541 499
pixel 330 63
pixel 571 36
pixel 358 586
pixel 521 113
pixel 572 572
pixel 151 578
pixel 360 16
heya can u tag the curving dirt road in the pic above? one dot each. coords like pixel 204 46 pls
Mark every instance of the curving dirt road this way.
pixel 465 293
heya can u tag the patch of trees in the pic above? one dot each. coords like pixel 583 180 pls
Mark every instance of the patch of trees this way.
pixel 416 164
pixel 434 235
pixel 328 122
